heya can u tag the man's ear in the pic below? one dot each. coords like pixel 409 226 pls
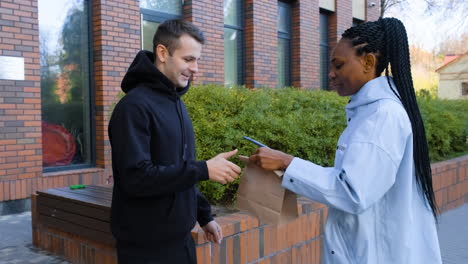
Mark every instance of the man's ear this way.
pixel 369 60
pixel 161 53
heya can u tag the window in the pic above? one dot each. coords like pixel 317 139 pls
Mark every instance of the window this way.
pixel 324 51
pixel 66 91
pixel 284 44
pixel 153 13
pixel 233 43
pixel 357 21
pixel 465 88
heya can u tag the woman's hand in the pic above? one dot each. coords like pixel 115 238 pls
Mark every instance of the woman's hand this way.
pixel 270 159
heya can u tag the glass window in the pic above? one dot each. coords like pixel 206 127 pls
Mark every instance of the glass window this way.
pixel 232 13
pixel 65 83
pixel 147 34
pixel 233 43
pixel 153 13
pixel 357 21
pixel 164 6
pixel 324 51
pixel 284 44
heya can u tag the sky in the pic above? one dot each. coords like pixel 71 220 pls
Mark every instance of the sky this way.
pixel 428 30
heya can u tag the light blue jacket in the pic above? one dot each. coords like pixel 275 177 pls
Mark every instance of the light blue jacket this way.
pixel 376 213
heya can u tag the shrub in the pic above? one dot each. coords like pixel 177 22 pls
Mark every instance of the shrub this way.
pixel 302 123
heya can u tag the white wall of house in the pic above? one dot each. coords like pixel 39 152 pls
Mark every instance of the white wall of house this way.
pixel 452 78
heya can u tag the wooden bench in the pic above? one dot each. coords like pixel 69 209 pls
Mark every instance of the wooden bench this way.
pixel 74 224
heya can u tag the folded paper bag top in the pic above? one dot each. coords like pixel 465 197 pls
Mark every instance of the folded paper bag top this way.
pixel 261 194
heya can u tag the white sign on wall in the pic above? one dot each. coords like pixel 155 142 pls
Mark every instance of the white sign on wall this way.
pixel 11 68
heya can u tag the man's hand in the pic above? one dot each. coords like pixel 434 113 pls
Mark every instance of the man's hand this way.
pixel 270 159
pixel 213 232
pixel 221 170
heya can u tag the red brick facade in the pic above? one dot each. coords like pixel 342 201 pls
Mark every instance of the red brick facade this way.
pixel 305 43
pixel 245 240
pixel 116 39
pixel 261 39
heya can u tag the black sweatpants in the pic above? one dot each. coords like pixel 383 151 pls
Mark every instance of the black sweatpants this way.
pixel 180 252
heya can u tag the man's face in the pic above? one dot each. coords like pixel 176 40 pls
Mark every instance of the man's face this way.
pixel 183 63
pixel 347 74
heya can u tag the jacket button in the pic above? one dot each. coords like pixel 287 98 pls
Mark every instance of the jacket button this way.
pixel 333 252
pixel 291 180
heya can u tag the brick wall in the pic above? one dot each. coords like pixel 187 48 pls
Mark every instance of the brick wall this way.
pixel 245 241
pixel 116 39
pixel 116 35
pixel 450 181
pixel 340 20
pixel 372 12
pixel 209 16
pixel 20 102
pixel 261 38
pixel 305 44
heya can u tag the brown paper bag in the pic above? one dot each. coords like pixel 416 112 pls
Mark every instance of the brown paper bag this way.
pixel 261 194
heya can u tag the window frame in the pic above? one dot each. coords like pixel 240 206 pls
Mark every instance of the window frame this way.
pixel 240 29
pixel 92 105
pixel 286 36
pixel 324 79
pixel 153 16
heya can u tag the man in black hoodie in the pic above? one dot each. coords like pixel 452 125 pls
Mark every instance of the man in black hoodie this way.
pixel 155 201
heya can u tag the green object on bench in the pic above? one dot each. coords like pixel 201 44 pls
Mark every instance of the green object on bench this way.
pixel 77 186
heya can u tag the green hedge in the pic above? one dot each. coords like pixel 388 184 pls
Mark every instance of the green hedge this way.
pixel 303 123
pixel 300 122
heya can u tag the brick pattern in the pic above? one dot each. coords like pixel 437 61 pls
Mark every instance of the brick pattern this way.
pixel 340 20
pixel 24 188
pixel 372 12
pixel 20 101
pixel 209 17
pixel 116 35
pixel 306 43
pixel 450 181
pixel 245 240
pixel 261 38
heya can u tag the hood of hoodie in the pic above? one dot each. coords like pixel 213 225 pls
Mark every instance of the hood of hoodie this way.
pixel 374 90
pixel 143 70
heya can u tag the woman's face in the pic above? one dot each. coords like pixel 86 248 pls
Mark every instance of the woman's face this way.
pixel 349 72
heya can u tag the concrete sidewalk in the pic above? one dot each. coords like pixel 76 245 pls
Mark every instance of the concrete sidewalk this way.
pixel 16 245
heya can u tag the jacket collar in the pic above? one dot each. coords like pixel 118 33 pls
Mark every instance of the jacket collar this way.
pixel 374 90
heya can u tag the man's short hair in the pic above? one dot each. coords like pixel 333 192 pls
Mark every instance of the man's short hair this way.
pixel 170 31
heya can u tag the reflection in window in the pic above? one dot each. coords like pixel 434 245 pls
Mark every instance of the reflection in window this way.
pixel 165 6
pixel 233 39
pixel 147 34
pixel 65 83
pixel 324 51
pixel 153 13
pixel 284 44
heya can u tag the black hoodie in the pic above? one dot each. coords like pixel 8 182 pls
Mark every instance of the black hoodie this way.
pixel 155 199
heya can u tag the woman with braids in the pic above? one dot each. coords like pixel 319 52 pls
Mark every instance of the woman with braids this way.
pixel 379 192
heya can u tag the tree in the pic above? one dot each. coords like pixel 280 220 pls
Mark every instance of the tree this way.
pixel 443 6
pixel 454 45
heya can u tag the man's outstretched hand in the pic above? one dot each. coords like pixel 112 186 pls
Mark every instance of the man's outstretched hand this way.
pixel 221 170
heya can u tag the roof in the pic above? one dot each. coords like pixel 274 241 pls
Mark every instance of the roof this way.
pixel 449 59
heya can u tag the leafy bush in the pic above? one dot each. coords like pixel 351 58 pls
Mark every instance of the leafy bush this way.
pixel 302 123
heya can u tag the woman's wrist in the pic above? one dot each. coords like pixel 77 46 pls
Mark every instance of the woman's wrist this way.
pixel 286 161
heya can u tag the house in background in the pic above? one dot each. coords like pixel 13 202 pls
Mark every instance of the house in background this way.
pixel 453 77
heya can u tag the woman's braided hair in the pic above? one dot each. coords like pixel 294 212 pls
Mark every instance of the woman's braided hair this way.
pixel 387 39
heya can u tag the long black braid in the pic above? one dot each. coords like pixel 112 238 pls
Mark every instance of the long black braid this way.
pixel 387 39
